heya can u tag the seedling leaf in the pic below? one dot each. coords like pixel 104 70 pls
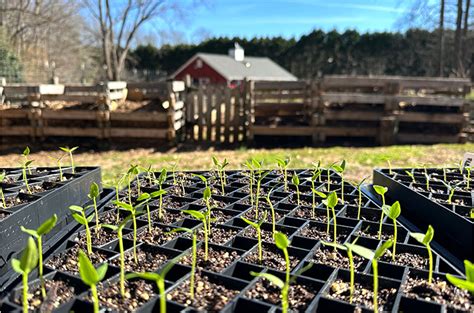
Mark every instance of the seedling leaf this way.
pixel 281 240
pixel 272 278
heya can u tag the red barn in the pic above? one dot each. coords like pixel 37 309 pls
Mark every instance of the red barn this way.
pixel 231 69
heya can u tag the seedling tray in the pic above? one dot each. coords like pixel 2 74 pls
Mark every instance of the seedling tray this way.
pixel 54 198
pixel 226 279
pixel 454 229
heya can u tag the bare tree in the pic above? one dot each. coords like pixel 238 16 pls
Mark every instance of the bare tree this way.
pixel 119 25
pixel 441 39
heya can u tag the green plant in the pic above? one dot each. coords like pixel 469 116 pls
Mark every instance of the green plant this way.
pixel 203 218
pixel 201 177
pixel 70 151
pixel 132 172
pixel 94 193
pixel 161 179
pixel 390 172
pixel 359 202
pixel 373 257
pixel 2 195
pixel 317 168
pixel 79 214
pixel 220 167
pixel 451 189
pixel 91 276
pixel 272 209
pixel 328 173
pixel 24 166
pixel 315 192
pixel 257 225
pixel 133 213
pixel 25 155
pixel 194 255
pixel 283 165
pixel 23 266
pixel 427 178
pixel 340 169
pixel 144 199
pixel 249 165
pixel 118 229
pixel 261 175
pixel 159 280
pixel 466 284
pixel 381 190
pixel 173 167
pixel 58 163
pixel 412 176
pixel 425 239
pixel 468 169
pixel 38 233
pixel 393 212
pixel 296 181
pixel 331 202
pixel 117 182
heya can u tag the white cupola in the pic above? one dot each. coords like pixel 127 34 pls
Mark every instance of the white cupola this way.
pixel 237 53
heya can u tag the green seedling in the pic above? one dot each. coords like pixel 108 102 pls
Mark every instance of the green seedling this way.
pixel 381 190
pixel 220 167
pixel 150 176
pixel 359 202
pixel 58 164
pixel 249 165
pixel 2 195
pixel 91 276
pixel 296 182
pixel 331 202
pixel 94 192
pixel 118 229
pixel 173 167
pixel 25 155
pixel 145 198
pixel 316 174
pixel 38 233
pixel 283 165
pixel 465 284
pixel 272 209
pixel 261 176
pixel 24 167
pixel 451 190
pixel 206 195
pixel 390 172
pixel 393 212
pixel 340 169
pixel 132 172
pixel 117 182
pixel 427 178
pixel 317 168
pixel 468 169
pixel 194 255
pixel 460 167
pixel 283 243
pixel 257 225
pixel 133 213
pixel 202 178
pixel 160 181
pixel 425 239
pixel 23 266
pixel 472 213
pixel 373 257
pixel 328 173
pixel 203 218
pixel 79 214
pixel 70 151
pixel 412 176
pixel 159 280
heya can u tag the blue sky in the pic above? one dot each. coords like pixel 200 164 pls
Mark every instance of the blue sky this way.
pixel 288 18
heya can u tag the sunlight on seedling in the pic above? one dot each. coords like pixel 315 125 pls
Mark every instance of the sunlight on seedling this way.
pixel 58 164
pixel 283 166
pixel 372 257
pixel 38 233
pixel 79 214
pixel 203 218
pixel 261 175
pixel 340 170
pixel 315 192
pixel 412 176
pixel 296 182
pixel 94 193
pixel 317 168
pixel 425 239
pixel 91 276
pixel 272 209
pixel 220 168
pixel 257 225
pixel 145 198
pixel 465 284
pixel 24 166
pixel 393 212
pixel 70 151
pixel 27 262
pixel 2 195
pixel 331 202
pixel 133 212
pixel 25 155
pixel 381 190
pixel 359 191
pixel 249 165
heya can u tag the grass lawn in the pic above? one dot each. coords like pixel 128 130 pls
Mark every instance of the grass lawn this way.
pixel 361 161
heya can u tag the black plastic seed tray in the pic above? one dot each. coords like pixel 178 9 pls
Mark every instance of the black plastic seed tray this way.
pixel 49 196
pixel 225 280
pixel 427 203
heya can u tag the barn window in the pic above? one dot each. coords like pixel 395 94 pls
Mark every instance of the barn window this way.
pixel 198 63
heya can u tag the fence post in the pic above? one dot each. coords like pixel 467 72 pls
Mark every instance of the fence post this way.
pixel 389 122
pixel 250 111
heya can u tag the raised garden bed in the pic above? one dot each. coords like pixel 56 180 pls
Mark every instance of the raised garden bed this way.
pixel 224 281
pixel 442 198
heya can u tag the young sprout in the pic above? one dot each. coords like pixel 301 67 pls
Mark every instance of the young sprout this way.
pixel 94 193
pixel 468 169
pixel 194 255
pixel 331 202
pixel 390 172
pixel 91 276
pixel 373 257
pixel 44 228
pixel 451 190
pixel 161 179
pixel 207 200
pixel 425 239
pixel 220 167
pixel 25 155
pixel 340 169
pixel 203 218
pixel 248 164
pixel 261 176
pixel 23 266
pixel 25 165
pixel 296 181
pixel 118 229
pixel 317 168
pixel 133 171
pixel 133 213
pixel 70 151
pixel 2 195
pixel 174 166
pixel 427 177
pixel 283 243
pixel 79 214
pixel 283 165
pixel 412 176
pixel 359 202
pixel 316 174
pixel 466 284
pixel 393 212
pixel 381 190
pixel 159 280
pixel 145 198
pixel 201 177
pixel 328 173
pixel 257 225
pixel 58 163
pixel 117 182
pixel 272 209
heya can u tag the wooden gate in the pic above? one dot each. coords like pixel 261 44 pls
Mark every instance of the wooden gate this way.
pixel 216 114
